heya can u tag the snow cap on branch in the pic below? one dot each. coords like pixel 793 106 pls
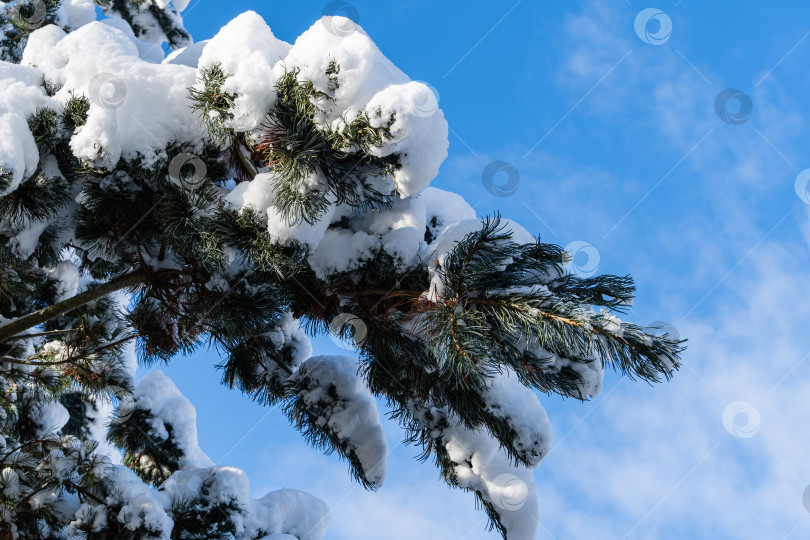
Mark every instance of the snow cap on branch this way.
pixel 333 406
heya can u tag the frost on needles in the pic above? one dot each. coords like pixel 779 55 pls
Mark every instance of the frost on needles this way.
pixel 245 193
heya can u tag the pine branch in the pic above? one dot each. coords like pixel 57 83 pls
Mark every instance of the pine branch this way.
pixel 11 329
pixel 46 333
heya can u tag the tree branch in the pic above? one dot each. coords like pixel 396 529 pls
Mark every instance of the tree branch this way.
pixel 17 326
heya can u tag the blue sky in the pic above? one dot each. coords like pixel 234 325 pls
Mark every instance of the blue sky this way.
pixel 618 144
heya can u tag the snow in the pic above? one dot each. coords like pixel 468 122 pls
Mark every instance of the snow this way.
pixel 67 276
pixel 293 514
pixel 142 17
pixel 369 82
pixel 481 465
pixel 78 12
pixel 247 51
pixel 288 333
pixel 352 416
pixel 401 228
pixel 341 250
pixel 10 73
pixel 127 93
pixel 49 417
pixel 20 97
pixel 143 506
pixel 10 483
pixel 149 52
pixel 364 70
pixel 43 498
pixel 130 359
pixel 507 398
pixel 224 484
pixel 187 56
pixel 25 241
pixel 130 91
pixel 398 231
pixel 591 374
pixel 281 512
pixel 446 207
pixel 158 394
pixel 259 194
pixel 179 5
pixel 91 516
pixel 98 419
pixel 420 139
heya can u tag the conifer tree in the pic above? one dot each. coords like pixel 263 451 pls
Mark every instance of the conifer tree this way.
pixel 245 193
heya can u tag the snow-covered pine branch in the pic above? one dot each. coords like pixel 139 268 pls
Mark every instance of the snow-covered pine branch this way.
pixel 244 192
